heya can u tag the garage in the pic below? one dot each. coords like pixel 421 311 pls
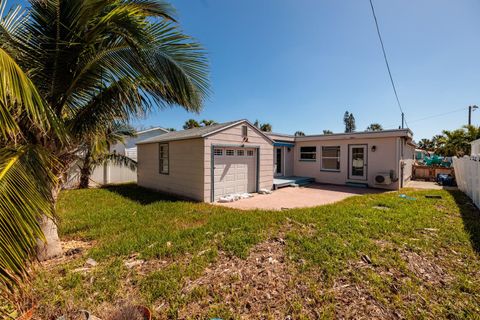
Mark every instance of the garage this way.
pixel 207 163
pixel 234 171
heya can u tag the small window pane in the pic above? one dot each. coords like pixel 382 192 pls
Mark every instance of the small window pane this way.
pixel 218 152
pixel 250 153
pixel 331 164
pixel 308 149
pixel 331 151
pixel 308 153
pixel 230 152
pixel 240 153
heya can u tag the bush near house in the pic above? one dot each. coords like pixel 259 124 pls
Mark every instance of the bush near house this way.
pixel 375 255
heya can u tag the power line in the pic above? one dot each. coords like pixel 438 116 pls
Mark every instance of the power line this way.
pixel 433 116
pixel 388 66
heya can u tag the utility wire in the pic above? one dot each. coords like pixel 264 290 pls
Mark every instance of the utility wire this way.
pixel 433 116
pixel 386 62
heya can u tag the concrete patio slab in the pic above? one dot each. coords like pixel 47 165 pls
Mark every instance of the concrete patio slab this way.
pixel 308 196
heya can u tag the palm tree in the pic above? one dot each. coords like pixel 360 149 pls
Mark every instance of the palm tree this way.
pixel 266 127
pixel 69 69
pixel 299 134
pixel 208 122
pixel 327 132
pixel 191 123
pixel 375 127
pixel 349 121
pixel 426 144
pixel 97 151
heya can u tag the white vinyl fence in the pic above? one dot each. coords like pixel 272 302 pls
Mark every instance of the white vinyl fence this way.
pixel 467 174
pixel 104 174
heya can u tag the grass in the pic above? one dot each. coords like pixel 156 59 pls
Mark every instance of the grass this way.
pixel 423 255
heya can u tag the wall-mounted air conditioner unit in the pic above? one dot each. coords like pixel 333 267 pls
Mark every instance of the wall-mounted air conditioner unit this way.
pixel 383 178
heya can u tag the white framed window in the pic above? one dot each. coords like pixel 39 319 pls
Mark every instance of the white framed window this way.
pixel 250 153
pixel 230 152
pixel 163 158
pixel 331 158
pixel 218 152
pixel 308 153
pixel 240 152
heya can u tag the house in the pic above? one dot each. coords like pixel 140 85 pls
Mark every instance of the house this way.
pixel 209 162
pixel 475 151
pixel 129 148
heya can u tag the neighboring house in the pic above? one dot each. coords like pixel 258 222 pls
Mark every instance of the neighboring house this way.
pixel 475 151
pixel 111 173
pixel 210 162
pixel 129 147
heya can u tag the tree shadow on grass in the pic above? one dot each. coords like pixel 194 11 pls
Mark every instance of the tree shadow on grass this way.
pixel 139 194
pixel 471 217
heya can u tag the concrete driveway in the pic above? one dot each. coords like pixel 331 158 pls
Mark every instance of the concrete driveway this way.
pixel 308 196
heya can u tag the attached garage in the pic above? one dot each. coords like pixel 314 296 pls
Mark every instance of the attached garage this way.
pixel 207 163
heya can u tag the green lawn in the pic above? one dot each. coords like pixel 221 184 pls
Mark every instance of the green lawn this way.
pixel 373 255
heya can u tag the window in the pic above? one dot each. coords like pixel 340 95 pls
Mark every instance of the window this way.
pixel 240 153
pixel 163 158
pixel 230 152
pixel 308 153
pixel 331 158
pixel 218 152
pixel 244 131
pixel 249 153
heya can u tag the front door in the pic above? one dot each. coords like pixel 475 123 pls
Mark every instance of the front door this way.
pixel 278 162
pixel 357 162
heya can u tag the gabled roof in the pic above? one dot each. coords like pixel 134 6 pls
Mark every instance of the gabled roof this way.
pixel 152 129
pixel 200 132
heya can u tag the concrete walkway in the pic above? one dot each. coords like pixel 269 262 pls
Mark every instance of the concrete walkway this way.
pixel 430 185
pixel 308 196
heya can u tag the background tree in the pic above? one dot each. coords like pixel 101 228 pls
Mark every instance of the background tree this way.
pixel 257 123
pixel 69 75
pixel 191 123
pixel 208 122
pixel 349 121
pixel 266 127
pixel 171 129
pixel 97 151
pixel 327 131
pixel 375 127
pixel 426 144
pixel 299 134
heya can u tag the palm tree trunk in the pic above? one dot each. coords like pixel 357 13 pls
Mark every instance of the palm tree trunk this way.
pixel 51 248
pixel 85 172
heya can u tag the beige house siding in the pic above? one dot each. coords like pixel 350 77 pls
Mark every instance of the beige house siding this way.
pixel 233 136
pixel 185 177
pixel 385 158
pixel 408 160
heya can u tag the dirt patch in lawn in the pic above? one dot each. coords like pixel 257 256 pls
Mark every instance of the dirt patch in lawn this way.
pixel 259 285
pixel 425 269
pixel 355 302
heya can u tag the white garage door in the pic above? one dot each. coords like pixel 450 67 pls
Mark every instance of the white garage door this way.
pixel 234 171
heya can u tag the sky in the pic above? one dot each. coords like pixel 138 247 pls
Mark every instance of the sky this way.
pixel 300 64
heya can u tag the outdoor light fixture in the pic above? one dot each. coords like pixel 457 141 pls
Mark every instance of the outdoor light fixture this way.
pixel 374 148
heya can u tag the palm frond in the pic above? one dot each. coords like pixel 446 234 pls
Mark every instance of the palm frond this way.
pixel 25 196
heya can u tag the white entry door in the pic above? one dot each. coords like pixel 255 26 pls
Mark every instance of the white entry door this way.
pixel 234 171
pixel 357 162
